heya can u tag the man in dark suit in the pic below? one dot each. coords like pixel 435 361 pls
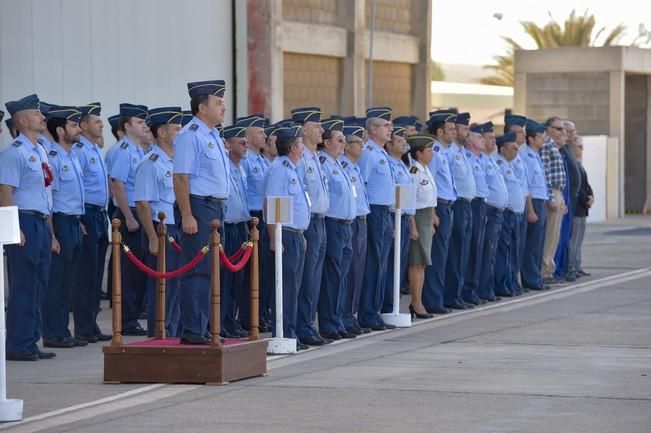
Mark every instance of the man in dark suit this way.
pixel 581 206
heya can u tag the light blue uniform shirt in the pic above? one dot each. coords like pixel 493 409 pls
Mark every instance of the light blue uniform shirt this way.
pixel 45 142
pixel 357 184
pixel 521 173
pixel 402 176
pixel 110 154
pixel 237 205
pixel 377 174
pixel 154 184
pixel 515 200
pixel 284 179
pixel 315 182
pixel 343 205
pixel 21 166
pixel 199 152
pixel 464 180
pixel 255 166
pixel 94 172
pixel 440 169
pixel 124 164
pixel 535 173
pixel 478 173
pixel 497 194
pixel 68 183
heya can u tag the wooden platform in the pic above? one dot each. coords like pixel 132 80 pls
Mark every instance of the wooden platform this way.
pixel 168 361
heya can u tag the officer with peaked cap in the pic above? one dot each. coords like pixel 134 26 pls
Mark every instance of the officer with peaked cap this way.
pixel 154 193
pixel 201 187
pixel 86 291
pixel 68 207
pixel 24 176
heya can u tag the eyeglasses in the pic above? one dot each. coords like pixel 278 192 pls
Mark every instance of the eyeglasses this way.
pixel 558 128
pixel 580 147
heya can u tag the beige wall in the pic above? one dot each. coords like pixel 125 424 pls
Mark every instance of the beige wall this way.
pixel 311 80
pixel 393 16
pixel 392 86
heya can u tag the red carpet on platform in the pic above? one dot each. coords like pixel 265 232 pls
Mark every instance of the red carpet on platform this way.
pixel 176 342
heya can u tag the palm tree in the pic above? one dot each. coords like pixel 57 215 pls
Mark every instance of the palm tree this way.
pixel 577 31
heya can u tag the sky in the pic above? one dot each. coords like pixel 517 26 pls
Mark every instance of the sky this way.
pixel 467 32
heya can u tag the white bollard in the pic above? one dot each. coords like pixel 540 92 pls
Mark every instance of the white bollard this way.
pixel 10 409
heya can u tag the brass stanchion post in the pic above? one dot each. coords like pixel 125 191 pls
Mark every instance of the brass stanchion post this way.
pixel 116 240
pixel 215 295
pixel 160 333
pixel 254 236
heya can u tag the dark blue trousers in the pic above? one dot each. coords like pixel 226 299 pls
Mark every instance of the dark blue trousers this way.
pixel 56 305
pixel 506 251
pixel 293 263
pixel 380 237
pixel 266 277
pixel 28 272
pixel 235 288
pixel 195 285
pixel 339 252
pixel 475 250
pixel 87 288
pixel 172 309
pixel 387 303
pixel 519 257
pixel 308 295
pixel 353 286
pixel 494 220
pixel 533 252
pixel 562 251
pixel 458 252
pixel 434 287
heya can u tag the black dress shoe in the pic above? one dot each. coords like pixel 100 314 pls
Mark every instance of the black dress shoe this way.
pixel 537 289
pixel 136 330
pixel 437 310
pixel 190 338
pixel 378 327
pixel 525 290
pixel 471 301
pixel 264 328
pixel 331 335
pixel 87 338
pixel 366 330
pixel 300 346
pixel 347 335
pixel 570 278
pixel 22 356
pixel 103 337
pixel 456 306
pixel 78 343
pixel 505 294
pixel 584 273
pixel 389 326
pixel 46 355
pixel 60 343
pixel 494 299
pixel 469 306
pixel 313 341
pixel 354 330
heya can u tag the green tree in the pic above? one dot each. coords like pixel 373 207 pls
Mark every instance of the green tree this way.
pixel 577 31
pixel 437 72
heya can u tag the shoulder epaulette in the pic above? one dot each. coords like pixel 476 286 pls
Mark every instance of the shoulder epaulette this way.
pixel 124 145
pixel 193 127
pixel 17 143
pixel 39 141
pixel 80 144
pixel 53 152
pixel 413 169
pixel 153 156
pixel 344 164
pixel 286 163
pixel 530 155
pixel 322 159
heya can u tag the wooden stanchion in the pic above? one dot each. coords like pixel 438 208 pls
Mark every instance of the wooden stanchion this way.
pixel 215 295
pixel 116 240
pixel 160 333
pixel 254 237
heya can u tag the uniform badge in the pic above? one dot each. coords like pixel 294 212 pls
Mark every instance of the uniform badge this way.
pixel 168 174
pixel 292 181
pixel 499 161
pixel 383 161
pixel 468 154
pixel 413 169
pixel 458 157
pixel 256 169
pixel 93 160
pixel 322 159
pixel 310 169
pixel 53 153
pixel 344 164
pixel 286 163
pixel 65 168
pixel 32 158
pixel 124 145
pixel 194 127
pixel 17 143
pixel 211 145
pixel 424 182
pixel 80 144
pixel 153 156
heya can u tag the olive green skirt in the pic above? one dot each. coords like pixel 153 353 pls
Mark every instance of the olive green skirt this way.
pixel 420 250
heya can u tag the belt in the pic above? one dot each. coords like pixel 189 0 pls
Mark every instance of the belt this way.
pixel 95 207
pixel 289 229
pixel 361 218
pixel 402 215
pixel 317 215
pixel 340 221
pixel 464 199
pixel 61 214
pixel 208 198
pixel 495 208
pixel 381 206
pixel 443 201
pixel 34 213
pixel 256 213
pixel 479 199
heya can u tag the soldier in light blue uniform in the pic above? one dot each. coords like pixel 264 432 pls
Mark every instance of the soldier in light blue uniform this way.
pixel 380 185
pixel 13 132
pixel 122 172
pixel 154 193
pixel 201 187
pixel 495 204
pixel 516 123
pixel 397 149
pixel 86 291
pixel 236 296
pixel 118 133
pixel 350 303
pixel 255 166
pixel 536 207
pixel 67 207
pixel 507 249
pixel 342 210
pixel 441 125
pixel 315 182
pixel 24 177
pixel 284 179
pixel 475 145
pixel 45 138
pixel 464 182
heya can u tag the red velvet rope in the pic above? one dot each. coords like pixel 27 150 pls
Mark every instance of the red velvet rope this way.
pixel 155 274
pixel 236 268
pixel 174 244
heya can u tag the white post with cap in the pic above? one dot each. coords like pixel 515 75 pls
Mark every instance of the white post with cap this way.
pixel 279 212
pixel 405 199
pixel 10 409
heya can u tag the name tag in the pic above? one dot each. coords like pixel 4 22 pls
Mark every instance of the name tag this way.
pixel 354 191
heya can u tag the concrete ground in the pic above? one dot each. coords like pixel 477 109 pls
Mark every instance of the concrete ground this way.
pixel 574 359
